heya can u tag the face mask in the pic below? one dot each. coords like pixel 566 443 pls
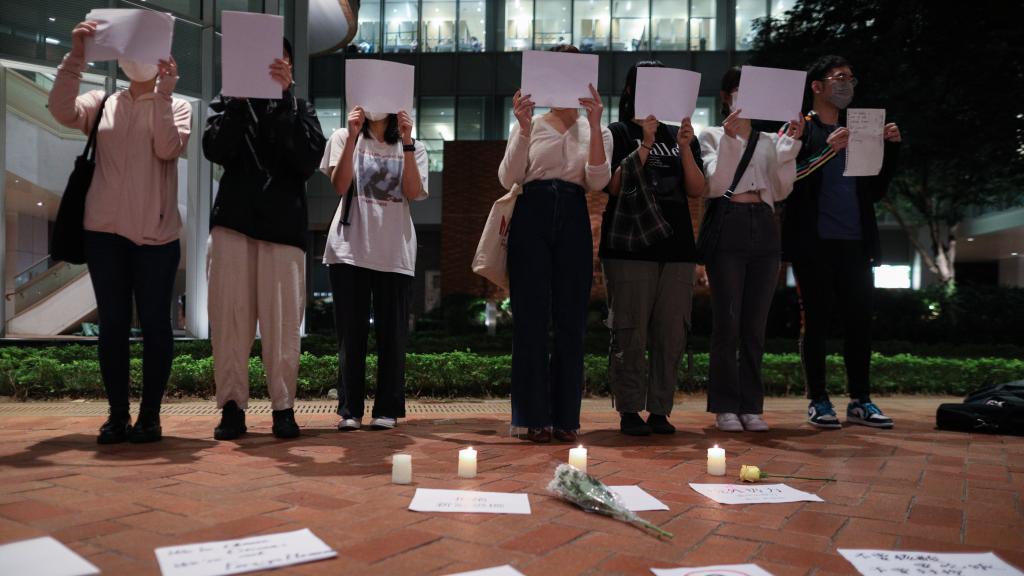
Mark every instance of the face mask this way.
pixel 842 94
pixel 376 116
pixel 733 98
pixel 138 72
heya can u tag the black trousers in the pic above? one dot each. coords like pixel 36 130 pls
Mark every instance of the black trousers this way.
pixel 742 275
pixel 838 272
pixel 551 267
pixel 355 289
pixel 122 271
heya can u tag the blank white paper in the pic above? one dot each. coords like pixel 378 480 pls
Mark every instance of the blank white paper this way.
pixel 637 499
pixel 379 86
pixel 865 149
pixel 132 34
pixel 249 45
pixel 721 570
pixel 558 79
pixel 505 570
pixel 666 93
pixel 43 557
pixel 771 93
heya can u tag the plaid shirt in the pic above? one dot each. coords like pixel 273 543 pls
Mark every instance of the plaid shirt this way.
pixel 637 221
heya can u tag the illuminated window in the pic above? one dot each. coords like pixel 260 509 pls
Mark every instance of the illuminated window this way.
pixel 472 26
pixel 668 25
pixel 702 24
pixel 401 18
pixel 518 28
pixel 592 19
pixel 747 11
pixel 367 38
pixel 552 24
pixel 438 31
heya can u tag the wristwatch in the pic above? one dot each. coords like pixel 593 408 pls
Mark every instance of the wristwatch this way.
pixel 409 147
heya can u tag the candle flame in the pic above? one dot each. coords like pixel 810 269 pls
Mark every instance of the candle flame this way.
pixel 716 446
pixel 580 446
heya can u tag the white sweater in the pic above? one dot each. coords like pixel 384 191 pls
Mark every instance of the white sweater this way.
pixel 547 154
pixel 771 172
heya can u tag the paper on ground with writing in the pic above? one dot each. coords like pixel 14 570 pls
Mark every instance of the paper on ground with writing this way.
pixel 667 93
pixel 43 557
pixel 431 500
pixel 558 79
pixel 132 34
pixel 637 499
pixel 379 86
pixel 771 93
pixel 249 45
pixel 754 493
pixel 865 148
pixel 244 555
pixel 906 563
pixel 721 570
pixel 505 570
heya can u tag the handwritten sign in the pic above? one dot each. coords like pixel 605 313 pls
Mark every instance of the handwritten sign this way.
pixel 865 149
pixel 637 499
pixel 754 493
pixel 723 570
pixel 901 563
pixel 43 557
pixel 505 570
pixel 245 555
pixel 429 500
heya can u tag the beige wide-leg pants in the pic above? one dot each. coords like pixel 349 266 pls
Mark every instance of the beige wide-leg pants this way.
pixel 254 282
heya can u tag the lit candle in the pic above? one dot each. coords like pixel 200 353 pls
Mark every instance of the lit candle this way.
pixel 578 458
pixel 716 461
pixel 467 463
pixel 401 469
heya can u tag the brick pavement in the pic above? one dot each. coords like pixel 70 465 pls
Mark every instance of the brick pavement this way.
pixel 909 488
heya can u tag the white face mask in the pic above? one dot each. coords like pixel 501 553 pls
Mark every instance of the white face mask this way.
pixel 733 98
pixel 138 72
pixel 376 116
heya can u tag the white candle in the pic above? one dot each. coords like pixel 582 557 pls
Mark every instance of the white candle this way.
pixel 401 469
pixel 716 461
pixel 467 463
pixel 578 458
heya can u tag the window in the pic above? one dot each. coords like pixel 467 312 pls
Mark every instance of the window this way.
pixel 780 7
pixel 438 32
pixel 518 28
pixel 233 6
pixel 401 20
pixel 367 38
pixel 747 12
pixel 332 114
pixel 668 25
pixel 436 124
pixel 703 115
pixel 630 21
pixel 702 24
pixel 591 22
pixel 472 26
pixel 552 24
pixel 472 110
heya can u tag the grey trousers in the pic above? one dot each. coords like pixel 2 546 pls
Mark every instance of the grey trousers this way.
pixel 648 309
pixel 743 274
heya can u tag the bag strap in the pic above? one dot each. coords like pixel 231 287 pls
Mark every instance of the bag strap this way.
pixel 90 145
pixel 748 153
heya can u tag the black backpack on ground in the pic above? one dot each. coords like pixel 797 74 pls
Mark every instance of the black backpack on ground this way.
pixel 996 409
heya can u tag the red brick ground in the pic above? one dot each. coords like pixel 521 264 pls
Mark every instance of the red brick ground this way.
pixel 910 488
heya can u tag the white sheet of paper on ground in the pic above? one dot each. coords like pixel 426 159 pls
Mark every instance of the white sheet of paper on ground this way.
pixel 244 555
pixel 667 93
pixel 866 147
pixel 133 34
pixel 379 86
pixel 431 500
pixel 722 570
pixel 771 93
pixel 754 493
pixel 505 570
pixel 43 557
pixel 906 563
pixel 249 45
pixel 637 499
pixel 558 79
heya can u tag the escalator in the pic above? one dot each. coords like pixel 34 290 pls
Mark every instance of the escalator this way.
pixel 50 299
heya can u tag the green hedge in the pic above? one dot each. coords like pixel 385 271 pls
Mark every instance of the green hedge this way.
pixel 35 373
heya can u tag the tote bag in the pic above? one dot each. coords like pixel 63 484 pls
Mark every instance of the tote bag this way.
pixel 491 259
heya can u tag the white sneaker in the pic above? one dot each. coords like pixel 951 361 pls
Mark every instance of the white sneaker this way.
pixel 753 423
pixel 349 424
pixel 728 422
pixel 383 423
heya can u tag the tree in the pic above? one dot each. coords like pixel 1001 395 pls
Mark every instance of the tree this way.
pixel 951 76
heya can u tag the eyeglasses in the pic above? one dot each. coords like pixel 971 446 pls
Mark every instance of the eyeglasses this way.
pixel 843 77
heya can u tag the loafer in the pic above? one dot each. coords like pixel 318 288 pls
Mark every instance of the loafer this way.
pixel 232 422
pixel 285 427
pixel 631 424
pixel 660 425
pixel 115 430
pixel 146 429
pixel 569 436
pixel 538 435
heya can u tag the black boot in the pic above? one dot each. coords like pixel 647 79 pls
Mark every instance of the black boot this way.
pixel 660 425
pixel 631 424
pixel 115 430
pixel 147 427
pixel 284 424
pixel 232 422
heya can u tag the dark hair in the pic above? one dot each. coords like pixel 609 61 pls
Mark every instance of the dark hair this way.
pixel 391 133
pixel 818 71
pixel 730 82
pixel 569 48
pixel 627 102
pixel 288 50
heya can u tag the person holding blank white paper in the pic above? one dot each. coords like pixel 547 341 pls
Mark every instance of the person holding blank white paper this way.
pixel 556 157
pixel 131 221
pixel 743 267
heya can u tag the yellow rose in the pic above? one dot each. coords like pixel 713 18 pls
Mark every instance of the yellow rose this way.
pixel 750 473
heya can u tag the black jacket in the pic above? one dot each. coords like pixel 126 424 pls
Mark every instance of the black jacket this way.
pixel 268 149
pixel 800 211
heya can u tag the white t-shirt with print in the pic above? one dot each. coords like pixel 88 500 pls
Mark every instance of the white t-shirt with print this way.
pixel 380 235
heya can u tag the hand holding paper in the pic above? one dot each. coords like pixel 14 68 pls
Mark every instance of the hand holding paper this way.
pixel 379 87
pixel 250 45
pixel 866 148
pixel 666 93
pixel 770 93
pixel 143 36
pixel 558 80
pixel 79 35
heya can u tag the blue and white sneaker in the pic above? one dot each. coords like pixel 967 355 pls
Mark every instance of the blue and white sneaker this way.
pixel 867 414
pixel 820 413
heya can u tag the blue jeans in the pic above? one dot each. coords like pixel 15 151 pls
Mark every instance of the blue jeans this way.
pixel 551 266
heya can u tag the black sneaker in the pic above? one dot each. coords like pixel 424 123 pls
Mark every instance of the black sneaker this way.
pixel 866 413
pixel 232 422
pixel 631 424
pixel 147 428
pixel 660 425
pixel 821 414
pixel 285 426
pixel 115 430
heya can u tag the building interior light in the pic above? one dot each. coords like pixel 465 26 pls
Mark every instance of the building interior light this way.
pixel 970 239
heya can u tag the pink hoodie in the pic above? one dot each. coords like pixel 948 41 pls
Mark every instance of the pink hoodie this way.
pixel 134 190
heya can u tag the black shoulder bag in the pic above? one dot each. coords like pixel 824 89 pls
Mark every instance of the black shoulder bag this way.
pixel 714 208
pixel 68 243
